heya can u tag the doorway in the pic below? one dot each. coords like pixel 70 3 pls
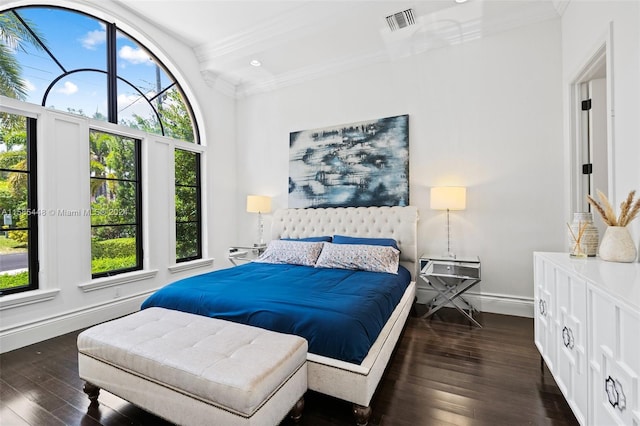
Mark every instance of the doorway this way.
pixel 592 135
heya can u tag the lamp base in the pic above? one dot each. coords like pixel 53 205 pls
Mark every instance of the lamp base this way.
pixel 260 230
pixel 449 253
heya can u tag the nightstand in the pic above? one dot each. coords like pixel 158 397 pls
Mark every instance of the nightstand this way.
pixel 450 278
pixel 241 254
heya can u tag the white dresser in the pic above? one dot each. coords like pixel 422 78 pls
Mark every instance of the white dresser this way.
pixel 587 329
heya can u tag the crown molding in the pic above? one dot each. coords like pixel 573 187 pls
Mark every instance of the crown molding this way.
pixel 220 83
pixel 561 6
pixel 311 72
pixel 272 32
pixel 468 31
pixel 515 20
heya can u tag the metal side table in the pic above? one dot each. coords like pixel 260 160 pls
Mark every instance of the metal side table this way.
pixel 242 254
pixel 451 278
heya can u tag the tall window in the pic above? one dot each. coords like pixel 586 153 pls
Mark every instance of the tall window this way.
pixel 74 62
pixel 116 227
pixel 71 61
pixel 18 204
pixel 188 209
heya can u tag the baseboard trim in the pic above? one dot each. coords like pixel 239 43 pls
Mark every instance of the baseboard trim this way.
pixel 36 331
pixel 487 302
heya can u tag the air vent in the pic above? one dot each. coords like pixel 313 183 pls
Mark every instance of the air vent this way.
pixel 400 20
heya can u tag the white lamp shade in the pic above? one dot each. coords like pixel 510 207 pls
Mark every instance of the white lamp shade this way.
pixel 258 204
pixel 448 198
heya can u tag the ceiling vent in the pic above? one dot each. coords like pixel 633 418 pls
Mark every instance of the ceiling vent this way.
pixel 400 20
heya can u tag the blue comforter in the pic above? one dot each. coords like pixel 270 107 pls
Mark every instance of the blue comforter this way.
pixel 340 312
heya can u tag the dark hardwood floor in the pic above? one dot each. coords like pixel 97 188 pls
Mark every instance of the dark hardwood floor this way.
pixel 443 372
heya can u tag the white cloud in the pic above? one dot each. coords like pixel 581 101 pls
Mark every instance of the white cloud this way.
pixel 68 88
pixel 93 39
pixel 130 104
pixel 135 56
pixel 29 85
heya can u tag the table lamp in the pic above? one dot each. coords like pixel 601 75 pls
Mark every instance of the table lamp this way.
pixel 448 198
pixel 259 204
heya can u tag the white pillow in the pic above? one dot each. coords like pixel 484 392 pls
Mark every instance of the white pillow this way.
pixel 359 256
pixel 291 252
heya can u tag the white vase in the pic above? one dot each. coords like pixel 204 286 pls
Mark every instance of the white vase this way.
pixel 617 245
pixel 588 241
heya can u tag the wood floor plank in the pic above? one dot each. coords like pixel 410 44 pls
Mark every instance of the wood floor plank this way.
pixel 9 417
pixel 73 396
pixel 444 372
pixel 26 409
pixel 72 416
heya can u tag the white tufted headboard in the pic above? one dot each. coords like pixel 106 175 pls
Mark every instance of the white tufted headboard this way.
pixel 399 223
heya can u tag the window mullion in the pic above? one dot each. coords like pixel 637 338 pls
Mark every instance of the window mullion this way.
pixel 39 41
pixel 112 76
pixel 139 245
pixel 32 194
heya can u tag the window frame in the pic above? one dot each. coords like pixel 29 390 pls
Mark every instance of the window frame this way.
pixel 112 30
pixel 138 199
pixel 31 125
pixel 198 221
pixel 143 136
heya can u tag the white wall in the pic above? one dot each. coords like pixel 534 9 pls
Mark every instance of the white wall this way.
pixel 68 299
pixel 585 27
pixel 486 114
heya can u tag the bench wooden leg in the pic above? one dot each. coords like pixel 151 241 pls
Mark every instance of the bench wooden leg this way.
pixel 296 412
pixel 92 390
pixel 362 414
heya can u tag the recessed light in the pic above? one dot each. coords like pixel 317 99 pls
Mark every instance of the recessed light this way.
pixel 255 63
pixel 460 1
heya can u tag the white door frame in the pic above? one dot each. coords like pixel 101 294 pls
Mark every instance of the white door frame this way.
pixel 602 55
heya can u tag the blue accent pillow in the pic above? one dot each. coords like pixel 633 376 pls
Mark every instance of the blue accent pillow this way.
pixel 343 239
pixel 321 239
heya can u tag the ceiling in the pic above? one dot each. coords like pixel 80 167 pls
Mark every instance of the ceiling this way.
pixel 297 40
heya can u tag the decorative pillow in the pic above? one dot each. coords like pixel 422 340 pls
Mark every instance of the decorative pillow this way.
pixel 359 256
pixel 291 252
pixel 323 238
pixel 343 239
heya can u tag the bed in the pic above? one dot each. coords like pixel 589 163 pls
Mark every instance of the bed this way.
pixel 351 368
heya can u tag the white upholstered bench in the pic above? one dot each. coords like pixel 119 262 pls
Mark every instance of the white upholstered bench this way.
pixel 194 370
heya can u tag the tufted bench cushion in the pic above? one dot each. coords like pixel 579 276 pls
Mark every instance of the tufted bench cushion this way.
pixel 234 367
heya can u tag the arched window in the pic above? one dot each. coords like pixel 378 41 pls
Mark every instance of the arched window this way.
pixel 74 62
pixel 78 63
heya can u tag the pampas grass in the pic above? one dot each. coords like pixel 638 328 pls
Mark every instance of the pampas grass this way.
pixel 628 209
pixel 577 248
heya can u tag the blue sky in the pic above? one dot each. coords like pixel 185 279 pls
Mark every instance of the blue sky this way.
pixel 79 42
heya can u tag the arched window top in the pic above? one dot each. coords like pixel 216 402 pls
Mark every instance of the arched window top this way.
pixel 75 62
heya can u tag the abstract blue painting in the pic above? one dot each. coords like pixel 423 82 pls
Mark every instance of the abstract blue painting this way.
pixel 351 165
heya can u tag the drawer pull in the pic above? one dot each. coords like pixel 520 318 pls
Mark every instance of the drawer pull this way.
pixel 615 394
pixel 567 338
pixel 543 307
